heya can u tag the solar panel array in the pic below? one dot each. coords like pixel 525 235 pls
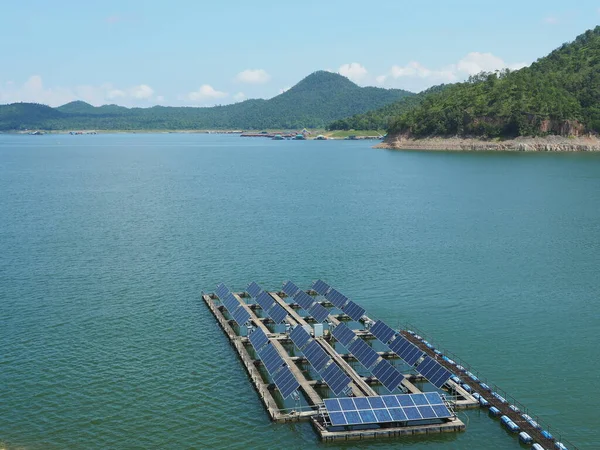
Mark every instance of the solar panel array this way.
pixel 435 373
pixel 319 312
pixel 386 408
pixel 353 310
pixel 321 287
pixel 335 378
pixel 290 288
pixel 253 289
pixel 409 352
pixel 281 374
pixel 388 375
pixel 336 298
pixel 233 306
pixel 267 303
pixel 382 332
pixel 343 334
pixel 364 353
pixel 304 300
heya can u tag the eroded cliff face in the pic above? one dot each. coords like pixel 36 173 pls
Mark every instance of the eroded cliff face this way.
pixel 585 143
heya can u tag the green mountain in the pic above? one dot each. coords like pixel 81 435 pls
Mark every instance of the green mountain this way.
pixel 314 102
pixel 558 94
pixel 381 118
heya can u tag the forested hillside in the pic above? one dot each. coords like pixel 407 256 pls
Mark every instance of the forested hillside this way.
pixel 314 102
pixel 558 94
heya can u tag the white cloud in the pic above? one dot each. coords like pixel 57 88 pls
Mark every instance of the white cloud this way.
pixel 353 71
pixel 285 89
pixel 415 76
pixel 551 20
pixel 253 76
pixel 239 97
pixel 206 92
pixel 34 90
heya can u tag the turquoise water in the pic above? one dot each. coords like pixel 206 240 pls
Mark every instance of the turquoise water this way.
pixel 107 241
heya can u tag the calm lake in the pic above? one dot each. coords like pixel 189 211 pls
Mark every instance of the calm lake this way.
pixel 107 241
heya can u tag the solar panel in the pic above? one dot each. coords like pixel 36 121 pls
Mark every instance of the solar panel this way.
pixel 265 301
pixel 304 300
pixel 435 373
pixel 241 316
pixel 286 382
pixel 258 339
pixel 365 354
pixel 336 298
pixel 316 356
pixel 253 289
pixel 299 336
pixel 354 311
pixel 336 379
pixel 321 287
pixel 231 303
pixel 277 313
pixel 382 332
pixel 290 289
pixel 222 291
pixel 388 375
pixel 405 350
pixel 385 408
pixel 271 359
pixel 318 312
pixel 343 334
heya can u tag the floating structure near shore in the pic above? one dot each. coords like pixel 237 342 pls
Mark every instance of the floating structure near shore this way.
pixel 317 356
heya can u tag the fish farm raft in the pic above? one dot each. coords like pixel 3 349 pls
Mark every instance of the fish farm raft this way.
pixel 316 356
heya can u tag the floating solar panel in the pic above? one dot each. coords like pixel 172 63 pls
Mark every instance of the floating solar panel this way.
pixel 435 373
pixel 321 287
pixel 222 291
pixel 286 382
pixel 317 357
pixel 388 375
pixel 304 300
pixel 406 350
pixel 336 379
pixel 354 311
pixel 365 354
pixel 343 334
pixel 271 359
pixel 290 289
pixel 241 316
pixel 231 303
pixel 299 336
pixel 253 289
pixel 258 339
pixel 318 312
pixel 385 409
pixel 265 300
pixel 337 298
pixel 277 313
pixel 382 332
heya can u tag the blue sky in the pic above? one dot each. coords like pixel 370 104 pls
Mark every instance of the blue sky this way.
pixel 200 53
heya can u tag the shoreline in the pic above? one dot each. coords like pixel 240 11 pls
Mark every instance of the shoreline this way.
pixel 519 144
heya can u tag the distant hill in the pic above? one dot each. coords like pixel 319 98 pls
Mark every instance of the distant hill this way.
pixel 382 118
pixel 317 100
pixel 558 94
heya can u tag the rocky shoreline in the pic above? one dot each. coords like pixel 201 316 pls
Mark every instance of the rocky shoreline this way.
pixel 588 143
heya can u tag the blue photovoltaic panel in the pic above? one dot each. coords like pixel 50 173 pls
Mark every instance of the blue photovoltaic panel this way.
pixel 286 382
pixel 336 379
pixel 304 300
pixel 354 311
pixel 253 289
pixel 435 373
pixel 365 354
pixel 277 313
pixel 316 356
pixel 384 409
pixel 271 359
pixel 318 312
pixel 321 287
pixel 265 301
pixel 405 350
pixel 382 332
pixel 258 339
pixel 336 298
pixel 231 303
pixel 241 316
pixel 221 291
pixel 388 375
pixel 343 334
pixel 290 289
pixel 299 336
